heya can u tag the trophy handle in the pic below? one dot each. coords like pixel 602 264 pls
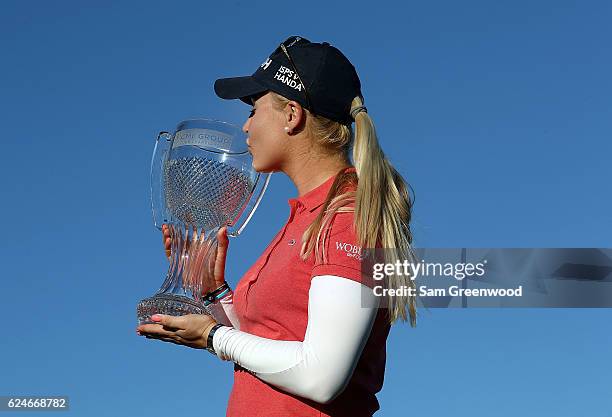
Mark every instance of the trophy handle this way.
pixel 258 191
pixel 158 200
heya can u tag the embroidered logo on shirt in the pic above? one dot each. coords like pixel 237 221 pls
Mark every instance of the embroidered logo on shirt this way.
pixel 291 242
pixel 352 251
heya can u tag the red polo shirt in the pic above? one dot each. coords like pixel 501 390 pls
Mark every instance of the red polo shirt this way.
pixel 271 301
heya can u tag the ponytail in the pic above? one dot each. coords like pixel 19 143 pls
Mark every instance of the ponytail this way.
pixel 383 210
pixel 381 202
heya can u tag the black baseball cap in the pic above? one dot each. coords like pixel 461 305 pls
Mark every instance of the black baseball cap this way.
pixel 330 80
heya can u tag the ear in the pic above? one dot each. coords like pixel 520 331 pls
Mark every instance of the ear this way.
pixel 294 114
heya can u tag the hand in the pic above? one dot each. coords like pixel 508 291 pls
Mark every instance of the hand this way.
pixel 203 277
pixel 189 330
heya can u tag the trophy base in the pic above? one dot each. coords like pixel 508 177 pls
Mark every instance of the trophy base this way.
pixel 168 304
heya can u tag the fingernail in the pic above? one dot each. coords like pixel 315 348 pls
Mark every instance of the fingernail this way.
pixel 155 317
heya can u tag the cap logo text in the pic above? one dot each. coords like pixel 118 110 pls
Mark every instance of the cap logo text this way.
pixel 288 77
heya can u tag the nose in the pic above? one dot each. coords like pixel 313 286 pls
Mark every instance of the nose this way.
pixel 245 126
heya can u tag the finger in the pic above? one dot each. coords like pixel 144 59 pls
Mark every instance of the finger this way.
pixel 165 231
pixel 154 330
pixel 171 322
pixel 201 252
pixel 221 256
pixel 211 262
pixel 174 244
pixel 148 328
pixel 165 339
pixel 190 265
pixel 168 247
pixel 222 237
pixel 181 336
pixel 167 241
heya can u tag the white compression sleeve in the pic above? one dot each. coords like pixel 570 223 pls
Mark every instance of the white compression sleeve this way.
pixel 319 367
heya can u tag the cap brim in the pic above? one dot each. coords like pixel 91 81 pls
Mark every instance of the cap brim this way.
pixel 238 87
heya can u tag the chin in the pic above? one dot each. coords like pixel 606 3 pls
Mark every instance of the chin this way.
pixel 263 168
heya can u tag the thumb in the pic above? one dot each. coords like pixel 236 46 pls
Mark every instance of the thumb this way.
pixel 222 238
pixel 166 320
pixel 223 241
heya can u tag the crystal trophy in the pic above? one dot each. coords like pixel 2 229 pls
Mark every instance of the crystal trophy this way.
pixel 202 179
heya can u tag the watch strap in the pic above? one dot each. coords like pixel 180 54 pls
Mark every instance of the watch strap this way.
pixel 209 340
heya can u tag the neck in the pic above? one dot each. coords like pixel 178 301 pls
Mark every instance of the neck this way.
pixel 310 172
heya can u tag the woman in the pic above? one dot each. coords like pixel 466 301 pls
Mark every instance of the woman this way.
pixel 303 325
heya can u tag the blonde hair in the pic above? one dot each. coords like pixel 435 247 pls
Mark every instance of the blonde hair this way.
pixel 381 202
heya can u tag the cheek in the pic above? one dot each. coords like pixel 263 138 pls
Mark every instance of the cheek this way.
pixel 268 151
pixel 268 140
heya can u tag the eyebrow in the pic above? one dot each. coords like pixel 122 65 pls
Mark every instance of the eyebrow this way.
pixel 256 97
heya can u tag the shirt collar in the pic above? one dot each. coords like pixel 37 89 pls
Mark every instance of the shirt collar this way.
pixel 315 197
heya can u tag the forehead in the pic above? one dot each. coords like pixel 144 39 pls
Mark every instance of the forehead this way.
pixel 260 98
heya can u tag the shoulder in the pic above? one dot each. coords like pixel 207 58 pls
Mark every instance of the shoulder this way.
pixel 343 223
pixel 341 252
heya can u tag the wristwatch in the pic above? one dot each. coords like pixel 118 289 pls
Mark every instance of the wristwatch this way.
pixel 209 340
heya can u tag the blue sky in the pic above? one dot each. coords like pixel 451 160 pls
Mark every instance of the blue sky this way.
pixel 499 116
